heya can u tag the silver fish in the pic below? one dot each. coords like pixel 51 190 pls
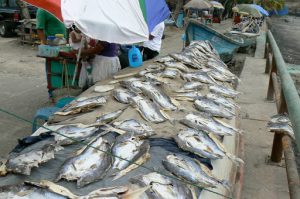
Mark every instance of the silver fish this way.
pixel 157 95
pixel 89 164
pixel 190 96
pixel 109 117
pixel 76 132
pixel 182 58
pixel 133 84
pixel 129 149
pixel 164 59
pixel 204 145
pixel 192 171
pixel 223 90
pixel 217 75
pixel 32 156
pixel 178 65
pixel 123 95
pixel 208 124
pixel 214 109
pixel 148 110
pixel 85 104
pixel 221 67
pixel 222 100
pixel 169 73
pixel 280 118
pixel 163 187
pixel 132 125
pixel 283 128
pixel 192 86
pixel 199 76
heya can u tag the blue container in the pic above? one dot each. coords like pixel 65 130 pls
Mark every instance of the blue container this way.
pixel 135 57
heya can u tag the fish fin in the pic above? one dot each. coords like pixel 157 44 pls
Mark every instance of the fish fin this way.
pixel 3 169
pixel 218 143
pixel 225 124
pixel 57 189
pixel 175 102
pixel 135 194
pixel 142 115
pixel 236 160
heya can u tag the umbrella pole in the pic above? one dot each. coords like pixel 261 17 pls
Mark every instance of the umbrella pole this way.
pixel 77 61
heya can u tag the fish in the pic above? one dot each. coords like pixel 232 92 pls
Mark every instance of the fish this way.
pixel 164 59
pixel 148 110
pixel 223 90
pixel 177 65
pixel 221 68
pixel 280 118
pixel 204 145
pixel 103 88
pixel 209 125
pixel 123 95
pixel 222 100
pixel 75 132
pixel 182 58
pixel 190 96
pixel 170 73
pixel 155 79
pixel 50 190
pixel 192 170
pixel 282 128
pixel 132 84
pixel 217 75
pixel 163 187
pixel 90 163
pixel 199 76
pixel 129 152
pixel 214 109
pixel 83 105
pixel 151 69
pixel 157 95
pixel 190 86
pixel 140 129
pixel 109 117
pixel 32 156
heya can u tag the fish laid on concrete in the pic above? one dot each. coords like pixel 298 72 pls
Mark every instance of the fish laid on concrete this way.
pixel 223 90
pixel 190 96
pixel 221 67
pixel 140 129
pixel 90 163
pixel 148 110
pixel 109 117
pixel 203 144
pixel 157 95
pixel 199 76
pixel 191 86
pixel 123 95
pixel 177 65
pixel 32 156
pixel 162 187
pixel 208 124
pixel 70 134
pixel 164 59
pixel 217 75
pixel 103 88
pixel 192 170
pixel 185 59
pixel 212 108
pixel 83 105
pixel 219 99
pixel 127 150
pixel 170 73
pixel 132 84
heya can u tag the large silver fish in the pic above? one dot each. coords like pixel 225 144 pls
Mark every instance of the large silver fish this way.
pixel 169 73
pixel 157 95
pixel 212 108
pixel 109 117
pixel 75 132
pixel 217 75
pixel 190 96
pixel 148 110
pixel 123 95
pixel 219 99
pixel 192 170
pixel 208 124
pixel 163 187
pixel 221 67
pixel 223 90
pixel 132 125
pixel 32 156
pixel 133 84
pixel 89 164
pixel 186 59
pixel 129 152
pixel 203 144
pixel 177 65
pixel 199 76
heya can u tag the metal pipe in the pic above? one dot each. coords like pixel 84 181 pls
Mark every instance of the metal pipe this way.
pixel 291 168
pixel 290 92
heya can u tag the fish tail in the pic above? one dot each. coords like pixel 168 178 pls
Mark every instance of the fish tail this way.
pixel 135 194
pixel 236 160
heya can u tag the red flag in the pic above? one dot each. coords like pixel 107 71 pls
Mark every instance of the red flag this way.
pixel 52 6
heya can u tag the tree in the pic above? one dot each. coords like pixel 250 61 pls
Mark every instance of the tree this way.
pixel 24 10
pixel 271 4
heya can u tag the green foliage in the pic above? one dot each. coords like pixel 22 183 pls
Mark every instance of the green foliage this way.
pixel 271 4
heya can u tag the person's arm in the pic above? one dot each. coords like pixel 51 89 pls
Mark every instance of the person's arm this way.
pixel 93 50
pixel 41 25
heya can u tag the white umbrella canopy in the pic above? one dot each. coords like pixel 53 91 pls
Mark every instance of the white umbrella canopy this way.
pixel 198 4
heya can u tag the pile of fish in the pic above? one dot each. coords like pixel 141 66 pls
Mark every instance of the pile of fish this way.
pixel 114 148
pixel 281 124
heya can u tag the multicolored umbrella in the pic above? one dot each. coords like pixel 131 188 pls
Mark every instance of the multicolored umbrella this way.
pixel 247 8
pixel 198 4
pixel 116 21
pixel 217 5
pixel 260 9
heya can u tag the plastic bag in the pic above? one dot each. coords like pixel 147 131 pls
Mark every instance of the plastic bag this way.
pixel 83 77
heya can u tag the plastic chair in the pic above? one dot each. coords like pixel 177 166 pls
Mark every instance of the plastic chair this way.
pixel 43 114
pixel 64 101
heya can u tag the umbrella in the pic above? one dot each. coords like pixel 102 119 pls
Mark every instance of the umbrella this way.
pixel 115 21
pixel 249 9
pixel 217 5
pixel 260 9
pixel 198 4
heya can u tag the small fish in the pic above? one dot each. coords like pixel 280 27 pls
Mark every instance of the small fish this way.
pixel 76 132
pixel 221 68
pixel 223 90
pixel 123 95
pixel 133 84
pixel 217 75
pixel 148 110
pixel 192 86
pixel 103 88
pixel 182 58
pixel 170 73
pixel 177 65
pixel 199 76
pixel 109 117
pixel 192 170
pixel 190 96
pixel 164 59
pixel 204 145
pixel 214 109
pixel 129 149
pixel 90 163
pixel 132 125
pixel 280 118
pixel 163 187
pixel 283 128
pixel 222 100
pixel 209 125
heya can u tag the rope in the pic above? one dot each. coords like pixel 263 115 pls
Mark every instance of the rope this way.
pixel 88 145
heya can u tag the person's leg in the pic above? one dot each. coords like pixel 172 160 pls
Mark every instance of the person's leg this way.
pixel 149 54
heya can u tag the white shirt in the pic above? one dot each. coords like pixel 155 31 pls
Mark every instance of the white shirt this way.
pixel 157 33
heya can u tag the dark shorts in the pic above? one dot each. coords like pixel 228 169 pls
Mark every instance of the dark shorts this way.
pixel 148 53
